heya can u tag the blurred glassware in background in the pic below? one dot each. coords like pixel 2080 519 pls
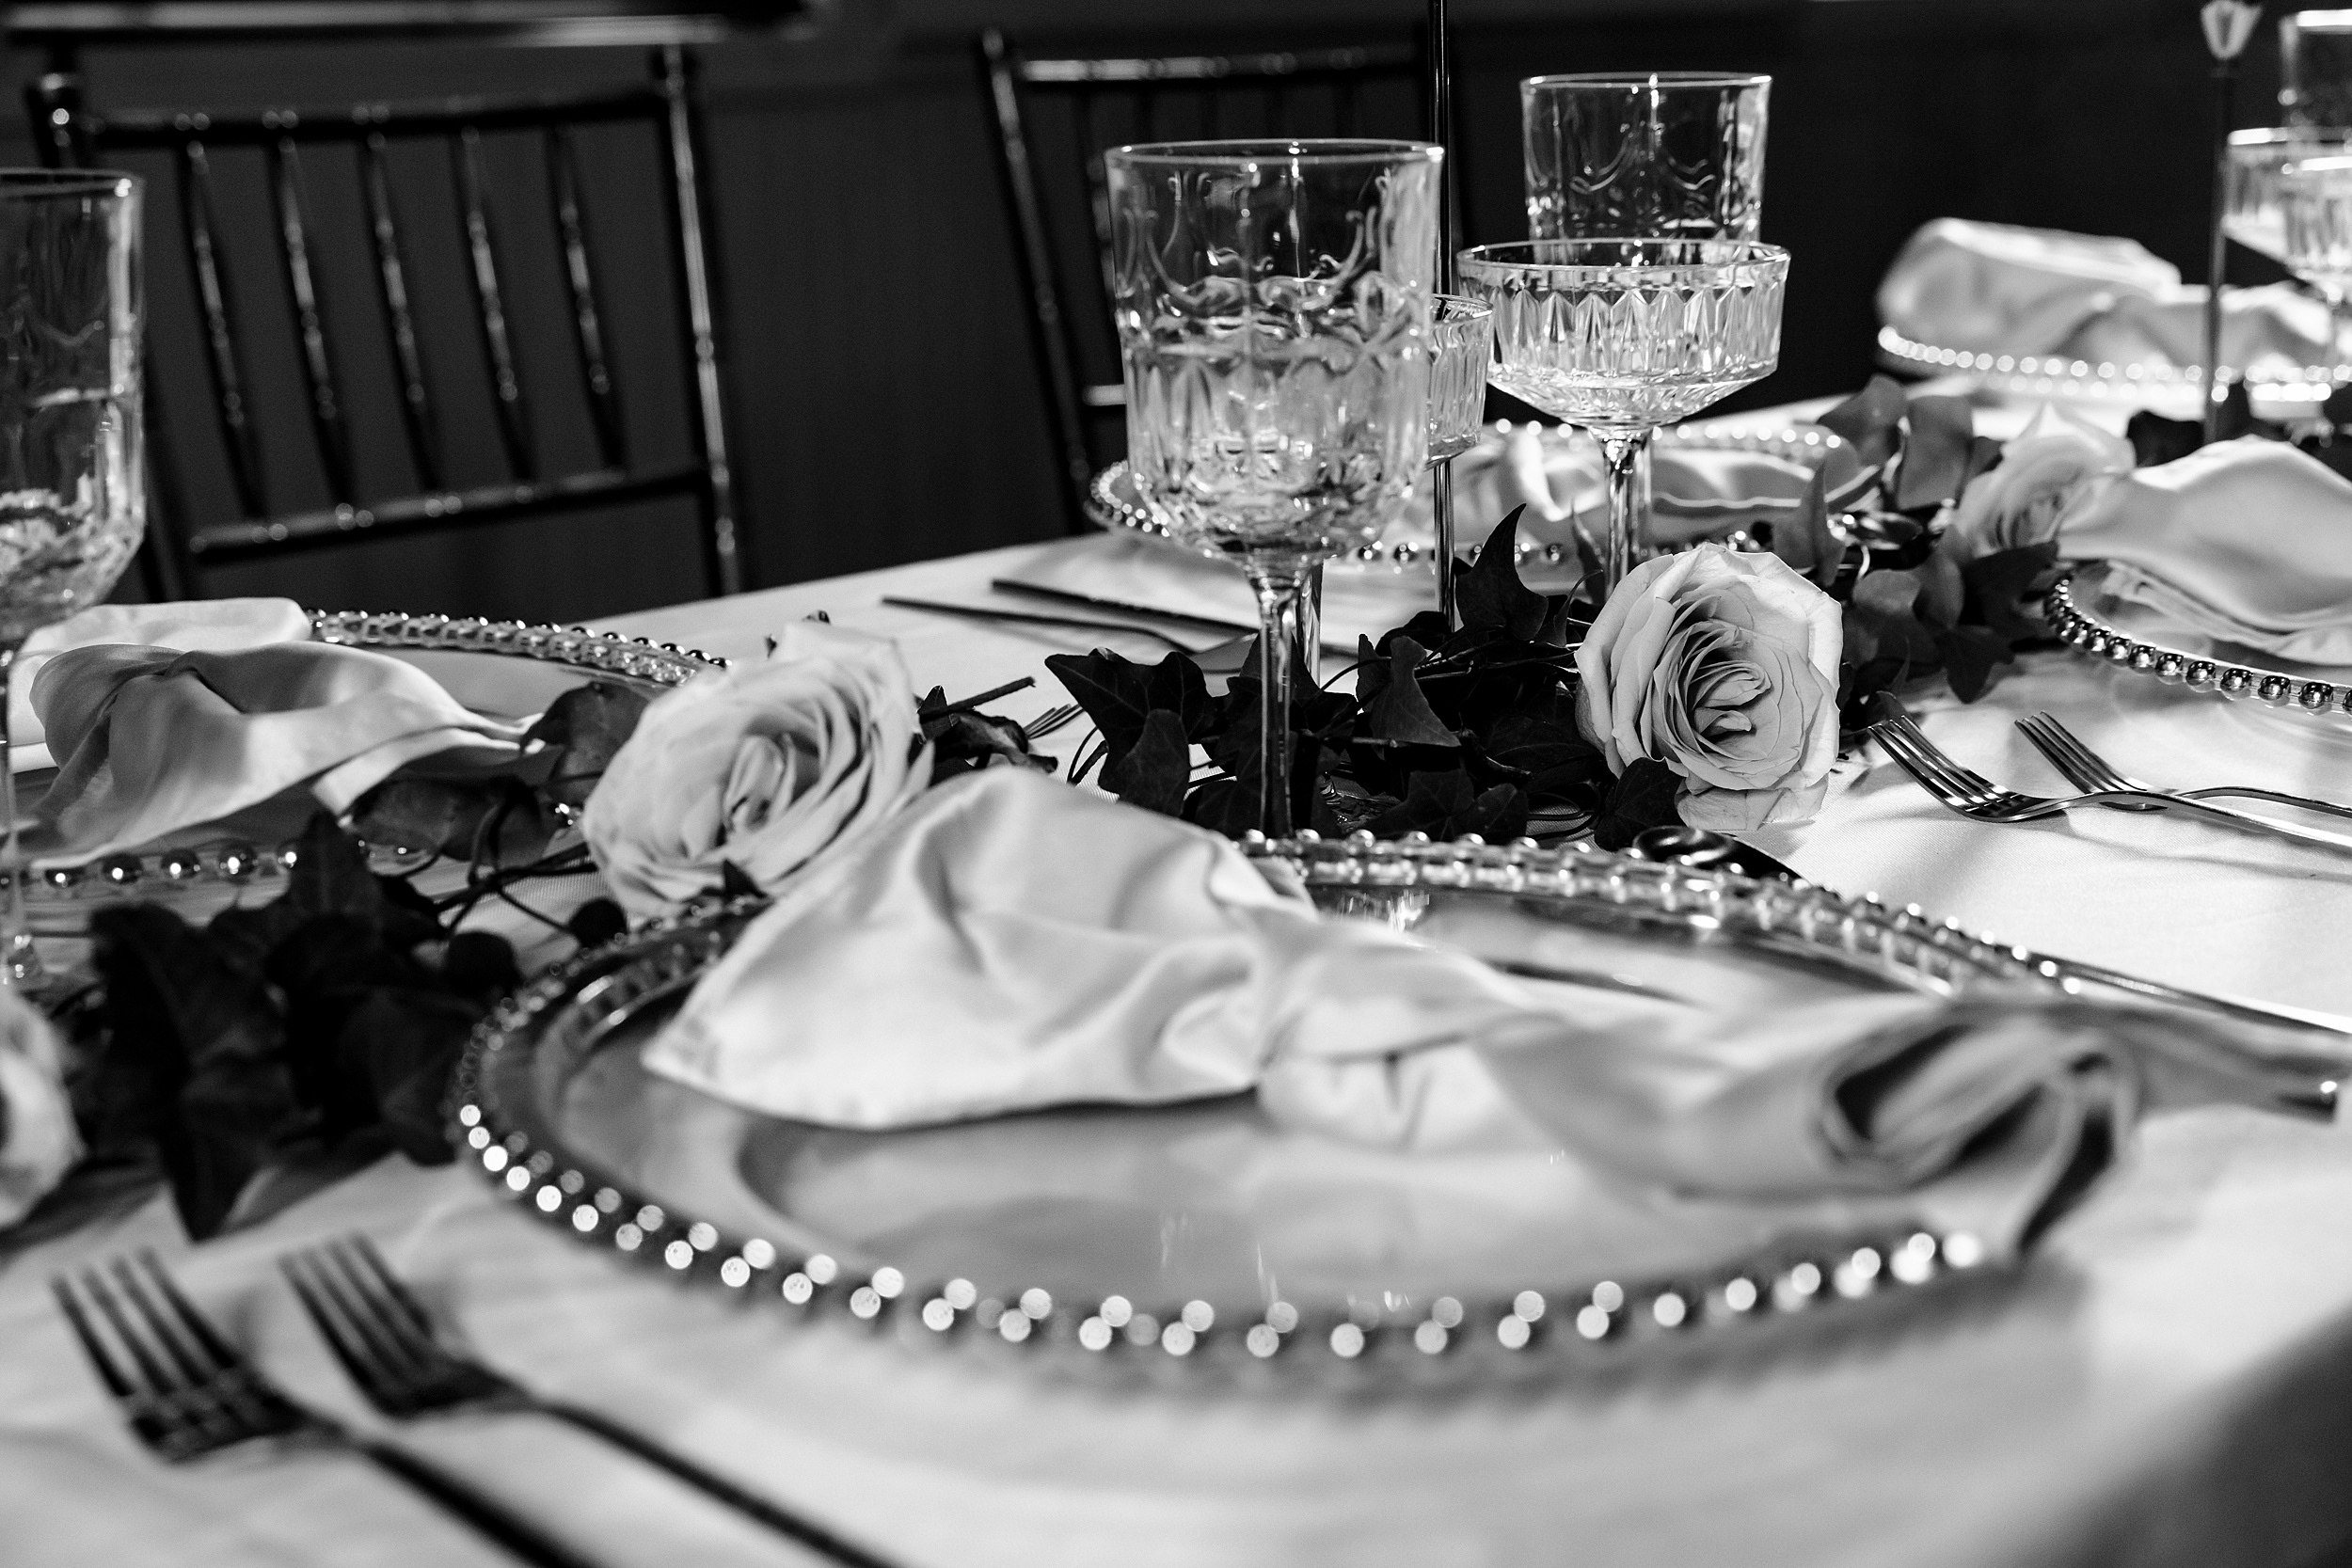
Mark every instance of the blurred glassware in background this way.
pixel 2250 212
pixel 2316 216
pixel 1623 336
pixel 1643 156
pixel 2315 67
pixel 73 485
pixel 1273 300
pixel 1461 346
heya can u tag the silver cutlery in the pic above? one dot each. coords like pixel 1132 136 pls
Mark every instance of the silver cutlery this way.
pixel 1124 606
pixel 382 1336
pixel 1973 796
pixel 2085 769
pixel 186 1393
pixel 1051 719
pixel 1023 617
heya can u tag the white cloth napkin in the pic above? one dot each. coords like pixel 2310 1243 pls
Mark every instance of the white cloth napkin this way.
pixel 2248 540
pixel 1996 289
pixel 154 740
pixel 1009 944
pixel 38 1143
pixel 210 625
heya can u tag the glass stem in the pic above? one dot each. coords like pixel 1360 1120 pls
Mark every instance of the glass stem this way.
pixel 1280 593
pixel 1309 643
pixel 1442 514
pixel 20 965
pixel 1625 451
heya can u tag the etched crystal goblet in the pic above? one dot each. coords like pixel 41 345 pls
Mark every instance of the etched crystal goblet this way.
pixel 1273 300
pixel 1623 336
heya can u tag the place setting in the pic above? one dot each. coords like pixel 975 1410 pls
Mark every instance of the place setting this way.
pixel 1464 904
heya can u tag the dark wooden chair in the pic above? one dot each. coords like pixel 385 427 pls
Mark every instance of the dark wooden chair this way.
pixel 1061 115
pixel 70 134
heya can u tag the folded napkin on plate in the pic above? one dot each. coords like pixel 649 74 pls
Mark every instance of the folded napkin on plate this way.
pixel 2248 540
pixel 1009 944
pixel 1996 289
pixel 211 626
pixel 153 739
pixel 37 1138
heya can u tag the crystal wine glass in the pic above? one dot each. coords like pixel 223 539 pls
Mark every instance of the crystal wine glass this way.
pixel 1623 336
pixel 1645 156
pixel 1461 346
pixel 2250 212
pixel 73 487
pixel 1273 303
pixel 2315 67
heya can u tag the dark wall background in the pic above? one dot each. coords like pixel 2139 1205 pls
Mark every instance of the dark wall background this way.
pixel 886 406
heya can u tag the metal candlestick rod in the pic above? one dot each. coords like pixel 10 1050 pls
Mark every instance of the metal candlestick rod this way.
pixel 1441 126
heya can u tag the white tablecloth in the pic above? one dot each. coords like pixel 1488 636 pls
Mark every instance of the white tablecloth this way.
pixel 2170 1382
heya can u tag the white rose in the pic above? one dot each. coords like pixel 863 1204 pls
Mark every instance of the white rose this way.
pixel 1723 666
pixel 766 765
pixel 38 1144
pixel 2057 462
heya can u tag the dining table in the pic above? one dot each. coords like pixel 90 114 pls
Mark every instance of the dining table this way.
pixel 2167 1378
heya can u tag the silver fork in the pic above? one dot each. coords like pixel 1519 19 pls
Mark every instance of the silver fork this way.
pixel 1051 719
pixel 1973 796
pixel 2085 769
pixel 380 1333
pixel 187 1392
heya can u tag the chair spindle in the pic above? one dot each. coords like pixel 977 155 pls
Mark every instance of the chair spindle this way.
pixel 416 415
pixel 571 228
pixel 327 427
pixel 200 223
pixel 489 299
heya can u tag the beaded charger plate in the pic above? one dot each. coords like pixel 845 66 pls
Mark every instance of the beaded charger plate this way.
pixel 1114 506
pixel 2083 612
pixel 504 668
pixel 1205 1235
pixel 2284 390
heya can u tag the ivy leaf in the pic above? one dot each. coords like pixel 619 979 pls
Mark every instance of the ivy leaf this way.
pixel 1997 586
pixel 1942 592
pixel 1869 419
pixel 1176 684
pixel 1115 692
pixel 200 1040
pixel 1969 654
pixel 1399 711
pixel 2157 441
pixel 1447 805
pixel 1490 593
pixel 1555 758
pixel 1935 452
pixel 965 742
pixel 581 730
pixel 1984 455
pixel 401 1045
pixel 330 874
pixel 1644 797
pixel 1154 771
pixel 597 921
pixel 1804 539
pixel 425 813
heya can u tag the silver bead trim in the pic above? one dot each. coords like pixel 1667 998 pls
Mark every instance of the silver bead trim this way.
pixel 2080 630
pixel 2056 373
pixel 1551 1319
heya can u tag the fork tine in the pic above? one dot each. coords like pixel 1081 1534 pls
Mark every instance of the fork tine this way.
pixel 393 1290
pixel 2074 759
pixel 159 1379
pixel 389 1323
pixel 2039 737
pixel 110 1372
pixel 1916 760
pixel 223 1358
pixel 351 1352
pixel 1966 779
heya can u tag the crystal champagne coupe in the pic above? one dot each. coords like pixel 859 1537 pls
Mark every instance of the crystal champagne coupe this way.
pixel 72 488
pixel 1273 303
pixel 1623 336
pixel 1655 155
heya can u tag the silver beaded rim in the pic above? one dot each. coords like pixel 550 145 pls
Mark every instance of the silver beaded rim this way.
pixel 2080 628
pixel 229 862
pixel 1549 1322
pixel 2056 373
pixel 1113 512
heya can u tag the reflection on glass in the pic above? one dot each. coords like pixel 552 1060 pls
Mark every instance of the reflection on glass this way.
pixel 1623 336
pixel 1461 345
pixel 73 496
pixel 1273 305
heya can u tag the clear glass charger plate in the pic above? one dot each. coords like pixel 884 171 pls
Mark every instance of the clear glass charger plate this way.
pixel 1204 1236
pixel 2278 389
pixel 503 669
pixel 1786 454
pixel 2083 612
